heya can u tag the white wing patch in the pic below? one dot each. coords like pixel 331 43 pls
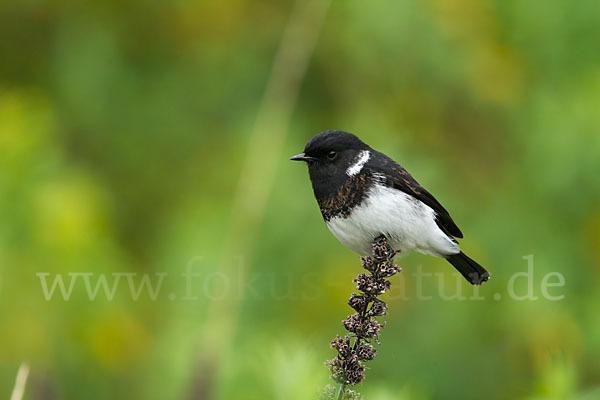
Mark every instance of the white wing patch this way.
pixel 363 157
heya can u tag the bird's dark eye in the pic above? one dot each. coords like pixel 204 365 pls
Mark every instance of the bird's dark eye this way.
pixel 332 155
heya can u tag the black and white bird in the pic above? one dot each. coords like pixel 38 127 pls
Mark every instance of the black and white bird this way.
pixel 364 194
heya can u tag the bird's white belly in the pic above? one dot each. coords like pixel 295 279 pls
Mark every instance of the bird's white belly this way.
pixel 408 223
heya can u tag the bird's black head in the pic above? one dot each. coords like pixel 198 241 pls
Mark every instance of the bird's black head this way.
pixel 329 154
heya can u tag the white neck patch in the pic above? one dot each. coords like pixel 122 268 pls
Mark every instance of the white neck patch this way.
pixel 363 157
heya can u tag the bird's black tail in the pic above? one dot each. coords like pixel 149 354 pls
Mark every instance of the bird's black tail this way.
pixel 468 268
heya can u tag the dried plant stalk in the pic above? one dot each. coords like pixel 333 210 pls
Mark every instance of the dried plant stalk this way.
pixel 354 349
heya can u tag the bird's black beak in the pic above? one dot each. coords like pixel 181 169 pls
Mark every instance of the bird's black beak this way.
pixel 301 157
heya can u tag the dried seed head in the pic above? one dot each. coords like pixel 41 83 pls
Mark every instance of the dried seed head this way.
pixel 358 302
pixel 337 371
pixel 369 264
pixel 352 395
pixel 342 345
pixel 352 323
pixel 388 269
pixel 355 376
pixel 378 309
pixel 366 352
pixel 382 251
pixel 362 327
pixel 347 367
pixel 370 285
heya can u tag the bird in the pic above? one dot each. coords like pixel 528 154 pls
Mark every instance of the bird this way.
pixel 364 194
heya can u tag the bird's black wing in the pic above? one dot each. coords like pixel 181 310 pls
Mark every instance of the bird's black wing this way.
pixel 399 178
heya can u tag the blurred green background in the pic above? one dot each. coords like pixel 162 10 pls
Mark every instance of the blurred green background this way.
pixel 151 137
